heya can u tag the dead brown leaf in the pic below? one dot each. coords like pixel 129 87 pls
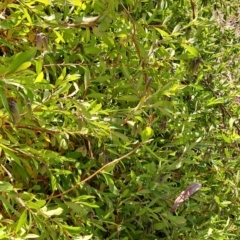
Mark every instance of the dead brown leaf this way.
pixel 184 195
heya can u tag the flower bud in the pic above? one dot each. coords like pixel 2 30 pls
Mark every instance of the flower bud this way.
pixel 39 41
pixel 45 43
pixel 15 112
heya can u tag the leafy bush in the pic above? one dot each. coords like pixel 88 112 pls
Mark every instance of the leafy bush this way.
pixel 109 110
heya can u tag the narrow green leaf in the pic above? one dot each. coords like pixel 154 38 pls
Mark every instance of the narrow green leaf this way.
pixel 30 236
pixel 39 78
pixel 129 98
pixel 11 137
pixel 5 186
pixel 19 59
pixel 191 50
pixel 179 220
pixel 86 77
pixel 22 220
pixel 24 66
pixel 27 15
pixel 46 2
pixel 162 32
pixel 89 204
pixel 8 206
pixel 86 237
pixel 111 184
pixel 214 101
pixel 53 183
pixel 33 205
pixel 96 95
pixel 108 40
pixel 126 72
pixel 76 207
pixel 159 226
pixel 72 230
pixel 4 100
pixel 10 153
pixel 61 78
pixel 120 136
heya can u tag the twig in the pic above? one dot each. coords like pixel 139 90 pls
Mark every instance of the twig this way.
pixel 135 42
pixel 95 173
pixel 35 129
pixel 193 9
pixel 11 179
pixel 83 24
pixel 223 109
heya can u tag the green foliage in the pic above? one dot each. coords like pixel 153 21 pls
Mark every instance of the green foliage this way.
pixel 123 104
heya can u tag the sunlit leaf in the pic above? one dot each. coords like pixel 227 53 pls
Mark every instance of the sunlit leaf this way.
pixel 22 220
pixel 191 50
pixel 5 187
pixel 19 59
pixel 50 213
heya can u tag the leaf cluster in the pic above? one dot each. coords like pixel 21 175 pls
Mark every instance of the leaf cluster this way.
pixel 120 105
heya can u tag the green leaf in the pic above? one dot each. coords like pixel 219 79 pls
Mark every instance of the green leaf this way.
pixel 61 171
pixel 159 226
pixel 108 40
pixel 22 221
pixel 31 235
pixel 9 207
pixel 20 59
pixel 192 50
pixel 53 183
pixel 165 88
pixel 86 237
pixel 61 78
pixel 129 98
pixel 4 100
pixel 76 207
pixel 126 72
pixel 120 136
pixel 175 165
pixel 50 213
pixel 89 204
pixel 119 74
pixel 11 138
pixel 179 220
pixel 39 78
pixel 96 95
pixel 5 187
pixel 10 153
pixel 214 101
pixel 23 66
pixel 36 205
pixel 46 2
pixel 162 32
pixel 111 184
pixel 86 77
pixel 72 230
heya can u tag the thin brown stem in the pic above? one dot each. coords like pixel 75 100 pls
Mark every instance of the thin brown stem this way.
pixel 95 173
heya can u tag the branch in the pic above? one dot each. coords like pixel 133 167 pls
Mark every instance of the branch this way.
pixel 95 173
pixel 193 9
pixel 223 109
pixel 86 23
pixel 11 180
pixel 135 41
